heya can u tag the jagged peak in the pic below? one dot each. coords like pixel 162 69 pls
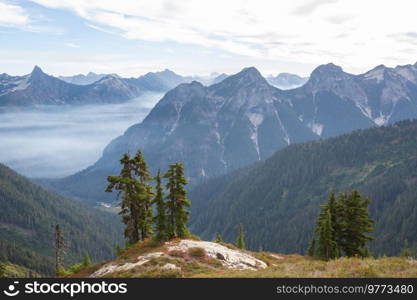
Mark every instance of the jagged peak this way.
pixel 37 70
pixel 37 74
pixel 377 73
pixel 246 76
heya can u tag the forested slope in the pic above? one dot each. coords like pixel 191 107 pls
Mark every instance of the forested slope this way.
pixel 277 200
pixel 28 215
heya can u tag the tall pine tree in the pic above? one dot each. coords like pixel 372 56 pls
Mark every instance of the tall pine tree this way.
pixel 125 185
pixel 342 227
pixel 160 219
pixel 133 184
pixel 144 194
pixel 327 247
pixel 355 224
pixel 60 246
pixel 240 241
pixel 177 213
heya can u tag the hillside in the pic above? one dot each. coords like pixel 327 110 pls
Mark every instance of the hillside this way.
pixel 192 258
pixel 277 200
pixel 28 218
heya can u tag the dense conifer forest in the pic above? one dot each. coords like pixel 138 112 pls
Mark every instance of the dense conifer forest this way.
pixel 278 200
pixel 28 218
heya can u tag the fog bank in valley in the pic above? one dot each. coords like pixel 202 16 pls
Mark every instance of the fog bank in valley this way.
pixel 55 141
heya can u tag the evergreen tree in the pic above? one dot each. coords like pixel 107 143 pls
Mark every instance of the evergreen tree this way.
pixel 327 247
pixel 355 224
pixel 177 202
pixel 133 184
pixel 144 194
pixel 160 219
pixel 60 245
pixel 86 261
pixel 219 238
pixel 335 210
pixel 240 241
pixel 312 247
pixel 342 227
pixel 124 184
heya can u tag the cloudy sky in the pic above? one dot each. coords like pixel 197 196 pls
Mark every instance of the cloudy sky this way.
pixel 131 37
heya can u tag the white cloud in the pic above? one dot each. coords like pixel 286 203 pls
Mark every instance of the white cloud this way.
pixel 15 16
pixel 356 34
pixel 12 16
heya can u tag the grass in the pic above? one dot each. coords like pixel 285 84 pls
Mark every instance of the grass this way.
pixel 197 252
pixel 294 266
pixel 15 271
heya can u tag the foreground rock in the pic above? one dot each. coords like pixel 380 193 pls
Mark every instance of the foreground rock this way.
pixel 182 250
pixel 114 268
pixel 230 258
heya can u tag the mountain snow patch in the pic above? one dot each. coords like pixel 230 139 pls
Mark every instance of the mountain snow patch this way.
pixel 317 128
pixel 256 119
pixel 381 120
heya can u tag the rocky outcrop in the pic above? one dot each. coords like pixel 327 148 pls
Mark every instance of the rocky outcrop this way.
pixel 113 267
pixel 230 258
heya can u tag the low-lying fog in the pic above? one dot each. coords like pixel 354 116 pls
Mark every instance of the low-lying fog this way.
pixel 55 141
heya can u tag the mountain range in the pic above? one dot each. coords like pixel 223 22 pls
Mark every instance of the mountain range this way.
pixel 28 218
pixel 82 79
pixel 278 200
pixel 243 119
pixel 155 81
pixel 38 88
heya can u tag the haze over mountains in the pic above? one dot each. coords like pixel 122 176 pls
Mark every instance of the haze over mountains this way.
pixel 59 140
pixel 243 119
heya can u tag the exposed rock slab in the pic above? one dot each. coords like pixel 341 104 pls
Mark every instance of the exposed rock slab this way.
pixel 111 267
pixel 230 258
